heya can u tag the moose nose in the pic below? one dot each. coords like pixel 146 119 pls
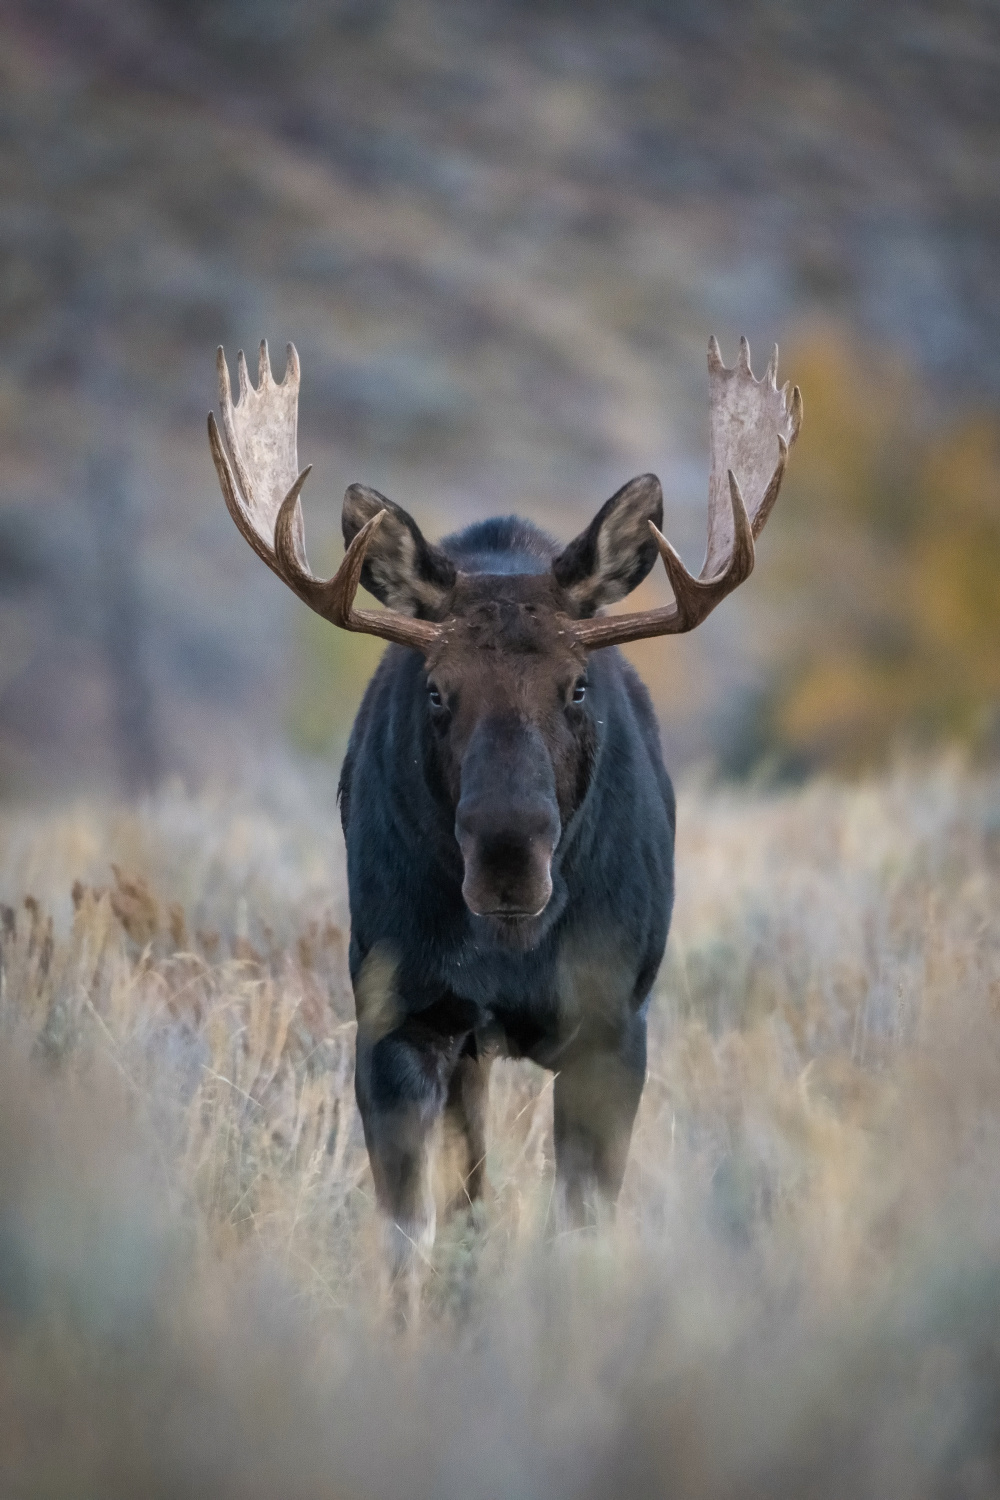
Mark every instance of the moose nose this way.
pixel 508 862
pixel 507 823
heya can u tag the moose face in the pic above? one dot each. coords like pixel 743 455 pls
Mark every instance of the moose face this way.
pixel 513 738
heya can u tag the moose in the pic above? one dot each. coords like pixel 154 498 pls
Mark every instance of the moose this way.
pixel 508 819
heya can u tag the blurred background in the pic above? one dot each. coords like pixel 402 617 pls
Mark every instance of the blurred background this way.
pixel 500 235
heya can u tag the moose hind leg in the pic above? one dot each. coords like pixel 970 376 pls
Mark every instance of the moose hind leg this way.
pixel 401 1086
pixel 465 1123
pixel 595 1100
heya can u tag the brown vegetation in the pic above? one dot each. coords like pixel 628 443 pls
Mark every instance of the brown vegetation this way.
pixel 799 1295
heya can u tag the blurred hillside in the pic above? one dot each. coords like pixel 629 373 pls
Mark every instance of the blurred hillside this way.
pixel 500 235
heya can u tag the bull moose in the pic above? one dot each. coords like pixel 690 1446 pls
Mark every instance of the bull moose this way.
pixel 508 818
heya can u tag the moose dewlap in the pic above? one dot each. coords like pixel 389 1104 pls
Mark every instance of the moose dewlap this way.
pixel 509 822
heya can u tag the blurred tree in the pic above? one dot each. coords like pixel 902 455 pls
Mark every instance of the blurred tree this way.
pixel 885 591
pixel 123 618
pixel 333 670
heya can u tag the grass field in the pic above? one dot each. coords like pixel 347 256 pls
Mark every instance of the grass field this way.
pixel 801 1294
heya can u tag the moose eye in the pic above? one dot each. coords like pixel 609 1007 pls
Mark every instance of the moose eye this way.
pixel 434 696
pixel 580 690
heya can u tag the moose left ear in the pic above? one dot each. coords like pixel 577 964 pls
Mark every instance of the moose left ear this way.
pixel 617 550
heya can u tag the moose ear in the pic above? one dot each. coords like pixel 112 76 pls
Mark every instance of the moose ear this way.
pixel 617 550
pixel 401 569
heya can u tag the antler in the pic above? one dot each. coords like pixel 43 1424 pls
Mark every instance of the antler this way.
pixel 750 418
pixel 263 500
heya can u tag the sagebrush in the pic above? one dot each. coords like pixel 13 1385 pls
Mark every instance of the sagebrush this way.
pixel 800 1292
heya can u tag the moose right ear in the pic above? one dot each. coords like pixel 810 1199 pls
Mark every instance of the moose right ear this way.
pixel 401 568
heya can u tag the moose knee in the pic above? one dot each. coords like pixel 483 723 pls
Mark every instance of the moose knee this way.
pixel 401 1089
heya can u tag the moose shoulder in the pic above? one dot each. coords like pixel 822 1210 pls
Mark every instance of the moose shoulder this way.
pixel 509 822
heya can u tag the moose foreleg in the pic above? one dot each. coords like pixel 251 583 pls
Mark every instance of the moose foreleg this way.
pixel 401 1083
pixel 595 1100
pixel 465 1122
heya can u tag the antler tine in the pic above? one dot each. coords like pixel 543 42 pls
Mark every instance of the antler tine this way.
pixel 694 598
pixel 264 376
pixel 334 598
pixel 263 499
pixel 750 418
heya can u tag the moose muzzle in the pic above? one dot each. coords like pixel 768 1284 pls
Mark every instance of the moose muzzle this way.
pixel 507 820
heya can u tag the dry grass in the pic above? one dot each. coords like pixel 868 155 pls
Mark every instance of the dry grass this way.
pixel 801 1294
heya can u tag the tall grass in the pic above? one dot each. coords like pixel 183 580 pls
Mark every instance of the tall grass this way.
pixel 801 1292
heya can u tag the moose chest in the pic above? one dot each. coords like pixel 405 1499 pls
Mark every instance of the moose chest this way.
pixel 515 1000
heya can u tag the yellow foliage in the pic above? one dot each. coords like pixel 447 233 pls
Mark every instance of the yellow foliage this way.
pixel 954 562
pixel 889 556
pixel 845 709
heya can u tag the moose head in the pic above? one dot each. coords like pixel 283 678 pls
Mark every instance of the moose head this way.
pixel 508 710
